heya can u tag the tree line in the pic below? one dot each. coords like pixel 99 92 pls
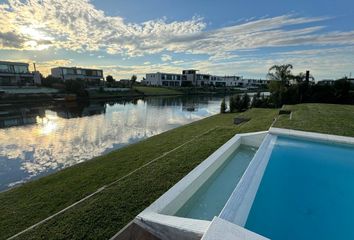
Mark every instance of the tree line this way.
pixel 287 88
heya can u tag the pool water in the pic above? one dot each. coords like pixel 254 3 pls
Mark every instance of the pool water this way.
pixel 307 192
pixel 210 199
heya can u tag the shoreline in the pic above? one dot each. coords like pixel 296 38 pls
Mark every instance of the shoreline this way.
pixel 139 92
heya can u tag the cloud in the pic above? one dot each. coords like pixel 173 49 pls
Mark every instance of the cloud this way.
pixel 79 26
pixel 166 58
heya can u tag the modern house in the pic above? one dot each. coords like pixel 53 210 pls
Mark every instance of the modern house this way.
pixel 191 77
pixel 91 76
pixel 15 74
pixel 163 79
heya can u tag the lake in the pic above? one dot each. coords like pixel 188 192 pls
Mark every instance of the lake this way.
pixel 37 140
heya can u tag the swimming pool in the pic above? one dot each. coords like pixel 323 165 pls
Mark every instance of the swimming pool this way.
pixel 279 184
pixel 306 192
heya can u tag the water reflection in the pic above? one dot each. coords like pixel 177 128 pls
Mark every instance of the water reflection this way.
pixel 38 140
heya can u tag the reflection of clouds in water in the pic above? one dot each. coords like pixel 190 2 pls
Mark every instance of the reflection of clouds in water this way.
pixel 55 143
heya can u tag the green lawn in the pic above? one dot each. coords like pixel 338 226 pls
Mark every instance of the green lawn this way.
pixel 103 215
pixel 157 90
pixel 324 118
pixel 106 213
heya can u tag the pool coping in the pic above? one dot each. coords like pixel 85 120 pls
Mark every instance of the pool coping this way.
pixel 312 135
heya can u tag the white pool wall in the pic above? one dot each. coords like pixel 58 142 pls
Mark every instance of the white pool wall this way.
pixel 159 214
pixel 240 202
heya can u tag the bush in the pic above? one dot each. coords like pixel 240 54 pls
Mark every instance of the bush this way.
pixel 235 103
pixel 223 106
pixel 76 87
pixel 245 102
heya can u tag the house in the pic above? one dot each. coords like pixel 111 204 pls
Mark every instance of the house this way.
pixel 163 79
pixel 191 77
pixel 325 82
pixel 91 76
pixel 15 74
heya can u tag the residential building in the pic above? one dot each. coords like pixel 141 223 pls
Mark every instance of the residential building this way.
pixel 15 74
pixel 226 81
pixel 191 77
pixel 163 79
pixel 255 83
pixel 91 76
pixel 326 82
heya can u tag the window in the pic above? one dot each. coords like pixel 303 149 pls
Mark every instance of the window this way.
pixel 4 68
pixel 68 71
pixel 21 69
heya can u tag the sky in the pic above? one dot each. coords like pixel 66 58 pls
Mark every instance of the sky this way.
pixel 224 37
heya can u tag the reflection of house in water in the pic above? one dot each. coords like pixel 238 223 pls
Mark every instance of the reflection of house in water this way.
pixel 188 103
pixel 164 102
pixel 75 110
pixel 11 116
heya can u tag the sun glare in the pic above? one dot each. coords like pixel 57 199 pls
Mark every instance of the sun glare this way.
pixel 47 125
pixel 35 36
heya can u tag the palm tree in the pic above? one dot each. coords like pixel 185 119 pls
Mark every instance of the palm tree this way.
pixel 279 76
pixel 281 73
pixel 133 80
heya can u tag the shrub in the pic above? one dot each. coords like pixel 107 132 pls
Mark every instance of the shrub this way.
pixel 245 102
pixel 223 106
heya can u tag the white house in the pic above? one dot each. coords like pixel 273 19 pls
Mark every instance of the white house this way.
pixel 163 79
pixel 191 77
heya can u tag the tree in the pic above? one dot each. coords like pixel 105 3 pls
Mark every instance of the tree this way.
pixel 50 80
pixel 301 77
pixel 232 104
pixel 77 87
pixel 281 73
pixel 245 102
pixel 279 76
pixel 256 101
pixel 235 103
pixel 133 80
pixel 223 106
pixel 110 79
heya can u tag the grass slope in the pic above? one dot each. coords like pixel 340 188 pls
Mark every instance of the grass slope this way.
pixel 324 118
pixel 157 90
pixel 106 213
